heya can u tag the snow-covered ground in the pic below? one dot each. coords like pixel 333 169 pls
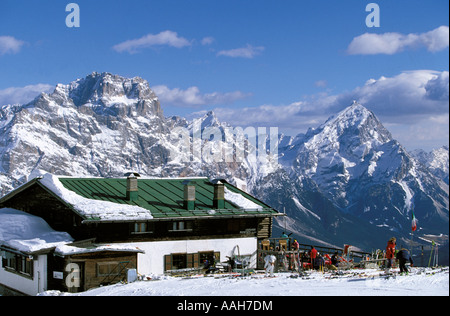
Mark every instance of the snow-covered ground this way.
pixel 420 282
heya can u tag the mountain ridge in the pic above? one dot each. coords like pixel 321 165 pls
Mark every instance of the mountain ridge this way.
pixel 347 179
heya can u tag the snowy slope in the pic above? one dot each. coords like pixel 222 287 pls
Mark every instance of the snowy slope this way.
pixel 421 282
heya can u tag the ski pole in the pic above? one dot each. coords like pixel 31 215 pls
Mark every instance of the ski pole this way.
pixel 436 256
pixel 431 254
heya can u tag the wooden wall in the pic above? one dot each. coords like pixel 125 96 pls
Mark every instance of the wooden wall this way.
pixel 90 271
pixel 200 229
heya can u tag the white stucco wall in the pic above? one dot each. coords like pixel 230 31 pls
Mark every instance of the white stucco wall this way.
pixel 152 261
pixel 25 284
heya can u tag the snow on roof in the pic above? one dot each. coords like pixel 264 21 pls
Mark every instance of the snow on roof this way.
pixel 67 250
pixel 28 233
pixel 103 210
pixel 241 201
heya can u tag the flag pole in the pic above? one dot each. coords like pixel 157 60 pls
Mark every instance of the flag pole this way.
pixel 413 229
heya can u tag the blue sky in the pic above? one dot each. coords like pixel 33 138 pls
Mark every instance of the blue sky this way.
pixel 289 64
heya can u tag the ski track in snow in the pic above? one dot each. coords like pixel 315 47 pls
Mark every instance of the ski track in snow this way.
pixel 354 283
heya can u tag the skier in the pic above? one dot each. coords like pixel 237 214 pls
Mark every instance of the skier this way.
pixel 269 264
pixel 335 259
pixel 209 266
pixel 313 255
pixel 319 262
pixel 285 240
pixel 390 253
pixel 403 256
pixel 295 245
pixel 231 264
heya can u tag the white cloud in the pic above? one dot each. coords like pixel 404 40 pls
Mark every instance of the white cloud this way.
pixel 321 83
pixel 192 97
pixel 427 134
pixel 411 93
pixel 168 38
pixel 23 95
pixel 207 40
pixel 392 43
pixel 286 117
pixel 245 52
pixel 437 88
pixel 10 45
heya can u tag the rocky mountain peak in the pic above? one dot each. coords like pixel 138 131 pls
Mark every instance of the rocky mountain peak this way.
pixel 354 121
pixel 105 94
pixel 346 139
pixel 210 120
pixel 102 87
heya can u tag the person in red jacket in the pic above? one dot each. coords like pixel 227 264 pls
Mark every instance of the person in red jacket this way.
pixel 390 253
pixel 313 256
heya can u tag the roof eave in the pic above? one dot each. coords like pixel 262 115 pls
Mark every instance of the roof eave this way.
pixel 181 218
pixel 18 190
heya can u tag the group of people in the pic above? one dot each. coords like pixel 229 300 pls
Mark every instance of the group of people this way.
pixel 403 256
pixel 309 259
pixel 315 260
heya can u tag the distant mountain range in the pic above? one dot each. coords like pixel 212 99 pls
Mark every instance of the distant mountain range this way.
pixel 346 181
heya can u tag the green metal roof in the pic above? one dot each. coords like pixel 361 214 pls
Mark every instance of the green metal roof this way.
pixel 164 198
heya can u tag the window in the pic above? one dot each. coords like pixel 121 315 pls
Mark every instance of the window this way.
pixel 235 225
pixel 207 256
pixel 143 228
pixel 180 226
pixel 17 263
pixel 178 261
pixel 108 269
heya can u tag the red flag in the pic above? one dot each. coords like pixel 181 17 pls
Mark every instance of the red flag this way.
pixel 414 223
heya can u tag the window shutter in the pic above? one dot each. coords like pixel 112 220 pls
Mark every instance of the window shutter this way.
pixel 190 260
pixel 168 262
pixel 196 260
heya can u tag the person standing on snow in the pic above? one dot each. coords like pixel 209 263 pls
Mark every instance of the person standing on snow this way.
pixel 319 262
pixel 295 245
pixel 390 253
pixel 313 255
pixel 335 259
pixel 269 265
pixel 403 257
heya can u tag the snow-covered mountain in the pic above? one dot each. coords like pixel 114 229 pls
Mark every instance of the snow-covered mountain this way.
pixel 347 181
pixel 436 161
pixel 94 126
pixel 358 166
